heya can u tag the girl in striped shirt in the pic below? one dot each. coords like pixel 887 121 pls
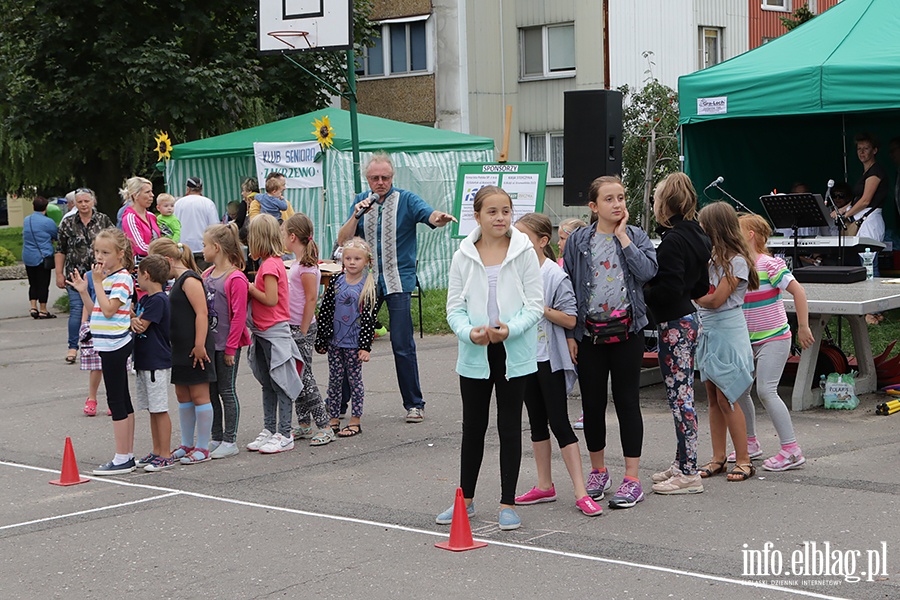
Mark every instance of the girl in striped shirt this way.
pixel 111 333
pixel 770 336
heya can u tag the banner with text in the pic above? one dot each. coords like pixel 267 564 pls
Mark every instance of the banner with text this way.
pixel 295 160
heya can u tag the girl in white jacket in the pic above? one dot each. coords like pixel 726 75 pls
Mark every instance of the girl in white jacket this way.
pixel 494 301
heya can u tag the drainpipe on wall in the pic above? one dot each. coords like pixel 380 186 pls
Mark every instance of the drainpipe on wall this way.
pixel 606 77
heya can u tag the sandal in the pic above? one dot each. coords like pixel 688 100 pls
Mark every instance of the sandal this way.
pixel 71 358
pixel 199 455
pixel 350 430
pixel 707 470
pixel 90 407
pixel 34 313
pixel 181 451
pixel 742 472
pixel 335 427
pixel 45 315
pixel 322 437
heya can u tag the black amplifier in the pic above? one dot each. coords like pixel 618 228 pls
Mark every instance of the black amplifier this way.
pixel 828 274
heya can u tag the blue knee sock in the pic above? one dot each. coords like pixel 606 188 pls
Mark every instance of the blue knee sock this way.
pixel 204 414
pixel 188 419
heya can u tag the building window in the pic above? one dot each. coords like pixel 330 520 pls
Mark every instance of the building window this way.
pixel 783 5
pixel 710 46
pixel 547 51
pixel 402 49
pixel 546 147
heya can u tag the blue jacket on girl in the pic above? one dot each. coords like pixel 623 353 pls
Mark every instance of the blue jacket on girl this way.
pixel 638 261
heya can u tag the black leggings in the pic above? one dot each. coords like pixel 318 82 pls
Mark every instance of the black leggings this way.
pixel 545 399
pixel 115 377
pixel 476 401
pixel 595 363
pixel 38 283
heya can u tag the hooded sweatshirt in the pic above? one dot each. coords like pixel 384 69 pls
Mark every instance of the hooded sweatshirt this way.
pixel 683 256
pixel 520 298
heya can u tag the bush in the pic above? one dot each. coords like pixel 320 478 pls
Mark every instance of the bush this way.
pixel 7 258
pixel 11 239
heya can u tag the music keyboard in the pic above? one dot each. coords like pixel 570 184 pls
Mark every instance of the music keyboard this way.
pixel 825 242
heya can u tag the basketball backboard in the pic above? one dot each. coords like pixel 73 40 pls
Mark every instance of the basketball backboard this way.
pixel 305 25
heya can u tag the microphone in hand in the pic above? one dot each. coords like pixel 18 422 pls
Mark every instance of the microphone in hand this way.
pixel 369 203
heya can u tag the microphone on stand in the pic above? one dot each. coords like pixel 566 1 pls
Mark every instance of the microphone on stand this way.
pixel 737 202
pixel 373 198
pixel 829 201
pixel 715 183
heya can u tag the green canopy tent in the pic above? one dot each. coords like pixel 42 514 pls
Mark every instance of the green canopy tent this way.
pixel 425 162
pixel 788 111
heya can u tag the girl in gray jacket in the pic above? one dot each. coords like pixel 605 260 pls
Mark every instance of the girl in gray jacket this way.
pixel 609 263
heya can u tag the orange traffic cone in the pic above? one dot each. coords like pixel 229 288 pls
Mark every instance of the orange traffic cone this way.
pixel 460 531
pixel 69 475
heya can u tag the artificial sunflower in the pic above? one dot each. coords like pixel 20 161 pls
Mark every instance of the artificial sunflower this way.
pixel 324 132
pixel 163 146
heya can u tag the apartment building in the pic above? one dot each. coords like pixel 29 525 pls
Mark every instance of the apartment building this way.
pixel 457 64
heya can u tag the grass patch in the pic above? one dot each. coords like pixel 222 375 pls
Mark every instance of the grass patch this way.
pixel 11 239
pixel 62 303
pixel 434 312
pixel 879 335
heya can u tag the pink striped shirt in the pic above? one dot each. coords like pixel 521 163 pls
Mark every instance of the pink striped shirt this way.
pixel 764 308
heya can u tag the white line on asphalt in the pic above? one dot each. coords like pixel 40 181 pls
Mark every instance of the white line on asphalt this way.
pixel 305 513
pixel 89 511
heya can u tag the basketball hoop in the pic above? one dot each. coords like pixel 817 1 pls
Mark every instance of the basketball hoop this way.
pixel 293 44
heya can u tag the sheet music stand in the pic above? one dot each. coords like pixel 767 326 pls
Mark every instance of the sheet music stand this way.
pixel 795 211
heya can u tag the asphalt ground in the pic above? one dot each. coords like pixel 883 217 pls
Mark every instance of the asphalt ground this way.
pixel 356 518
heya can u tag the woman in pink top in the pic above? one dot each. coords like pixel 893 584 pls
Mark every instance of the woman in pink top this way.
pixel 138 223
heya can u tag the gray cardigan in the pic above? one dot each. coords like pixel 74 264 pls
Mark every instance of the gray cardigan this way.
pixel 638 261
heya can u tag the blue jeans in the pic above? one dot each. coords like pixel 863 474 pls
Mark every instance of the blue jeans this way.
pixel 76 306
pixel 403 344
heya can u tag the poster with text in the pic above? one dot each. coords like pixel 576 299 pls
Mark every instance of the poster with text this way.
pixel 524 182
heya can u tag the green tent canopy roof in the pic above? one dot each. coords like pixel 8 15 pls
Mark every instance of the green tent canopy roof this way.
pixel 374 134
pixel 845 60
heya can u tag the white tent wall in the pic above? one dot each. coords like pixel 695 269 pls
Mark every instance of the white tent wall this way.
pixel 431 175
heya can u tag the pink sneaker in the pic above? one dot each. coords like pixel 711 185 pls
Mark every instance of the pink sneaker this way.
pixel 784 461
pixel 536 496
pixel 752 447
pixel 589 507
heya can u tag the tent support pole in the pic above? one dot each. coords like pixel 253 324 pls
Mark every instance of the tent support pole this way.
pixel 354 125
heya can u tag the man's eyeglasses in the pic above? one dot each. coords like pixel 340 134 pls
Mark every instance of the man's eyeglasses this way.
pixel 380 177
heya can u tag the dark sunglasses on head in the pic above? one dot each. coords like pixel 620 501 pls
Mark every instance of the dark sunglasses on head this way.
pixel 84 191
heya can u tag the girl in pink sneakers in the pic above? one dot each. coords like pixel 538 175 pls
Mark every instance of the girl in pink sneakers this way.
pixel 770 336
pixel 546 390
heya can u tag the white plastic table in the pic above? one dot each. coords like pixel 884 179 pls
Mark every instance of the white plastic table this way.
pixel 852 301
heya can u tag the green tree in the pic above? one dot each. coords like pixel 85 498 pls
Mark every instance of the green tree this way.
pixel 87 84
pixel 800 16
pixel 650 122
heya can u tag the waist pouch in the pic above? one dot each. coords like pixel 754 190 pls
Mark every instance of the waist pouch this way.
pixel 608 327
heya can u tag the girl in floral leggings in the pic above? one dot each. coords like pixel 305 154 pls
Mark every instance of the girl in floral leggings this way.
pixel 683 255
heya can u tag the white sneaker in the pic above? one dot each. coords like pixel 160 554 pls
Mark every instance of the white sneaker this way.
pixel 260 440
pixel 679 484
pixel 277 443
pixel 224 451
pixel 667 474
